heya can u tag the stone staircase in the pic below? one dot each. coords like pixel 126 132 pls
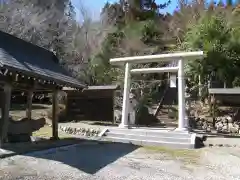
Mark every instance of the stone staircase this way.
pixel 151 137
pixel 161 110
pixel 165 119
pixel 167 98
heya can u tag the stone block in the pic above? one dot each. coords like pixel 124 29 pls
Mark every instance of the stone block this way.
pixel 25 126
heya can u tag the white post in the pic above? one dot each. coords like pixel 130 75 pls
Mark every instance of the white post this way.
pixel 181 97
pixel 199 86
pixel 127 83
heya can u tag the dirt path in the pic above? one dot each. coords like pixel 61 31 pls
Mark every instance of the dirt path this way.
pixel 124 162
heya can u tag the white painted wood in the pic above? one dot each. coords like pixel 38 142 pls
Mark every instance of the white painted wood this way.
pixel 173 81
pixel 157 58
pixel 154 70
pixel 199 86
pixel 181 97
pixel 126 91
pixel 224 90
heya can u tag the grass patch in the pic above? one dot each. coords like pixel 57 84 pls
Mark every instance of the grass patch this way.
pixel 46 133
pixel 184 155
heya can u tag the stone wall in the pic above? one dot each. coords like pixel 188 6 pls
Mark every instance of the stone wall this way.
pixel 223 124
pixel 226 124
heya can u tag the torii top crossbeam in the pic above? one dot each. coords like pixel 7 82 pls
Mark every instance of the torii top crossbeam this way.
pixel 157 58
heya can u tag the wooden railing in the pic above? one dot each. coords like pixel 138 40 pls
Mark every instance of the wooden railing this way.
pixel 161 101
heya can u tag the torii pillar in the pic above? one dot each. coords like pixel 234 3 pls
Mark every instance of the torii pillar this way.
pixel 181 98
pixel 126 91
pixel 182 124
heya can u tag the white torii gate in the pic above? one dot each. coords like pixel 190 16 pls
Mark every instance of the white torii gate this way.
pixel 181 57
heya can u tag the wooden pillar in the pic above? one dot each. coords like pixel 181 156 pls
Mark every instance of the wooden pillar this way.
pixel 113 100
pixel 5 112
pixel 55 110
pixel 29 105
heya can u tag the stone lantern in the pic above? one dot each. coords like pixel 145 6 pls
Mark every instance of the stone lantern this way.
pixel 132 109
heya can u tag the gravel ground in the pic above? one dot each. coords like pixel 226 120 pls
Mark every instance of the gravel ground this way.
pixel 122 162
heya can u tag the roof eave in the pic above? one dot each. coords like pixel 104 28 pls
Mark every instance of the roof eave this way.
pixel 57 81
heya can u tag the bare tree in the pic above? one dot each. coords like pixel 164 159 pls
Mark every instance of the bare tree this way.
pixel 86 43
pixel 52 26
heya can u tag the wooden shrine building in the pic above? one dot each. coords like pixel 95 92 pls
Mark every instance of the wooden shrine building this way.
pixel 94 103
pixel 25 66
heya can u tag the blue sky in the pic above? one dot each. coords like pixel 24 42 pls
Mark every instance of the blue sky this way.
pixel 95 6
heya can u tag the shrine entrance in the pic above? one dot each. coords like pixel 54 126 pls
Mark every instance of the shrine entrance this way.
pixel 25 67
pixel 181 58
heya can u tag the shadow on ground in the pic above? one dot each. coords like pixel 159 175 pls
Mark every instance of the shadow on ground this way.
pixel 104 124
pixel 88 156
pixel 216 134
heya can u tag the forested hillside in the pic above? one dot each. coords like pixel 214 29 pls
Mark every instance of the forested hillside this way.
pixel 131 27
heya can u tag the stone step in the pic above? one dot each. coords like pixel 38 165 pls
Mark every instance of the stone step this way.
pixel 164 109
pixel 152 138
pixel 163 114
pixel 163 117
pixel 155 132
pixel 166 120
pixel 170 124
pixel 154 106
pixel 177 145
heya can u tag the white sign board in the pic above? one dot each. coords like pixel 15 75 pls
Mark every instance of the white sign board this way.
pixel 173 81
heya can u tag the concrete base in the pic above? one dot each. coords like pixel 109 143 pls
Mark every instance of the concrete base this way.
pixel 123 126
pixel 184 130
pixel 151 137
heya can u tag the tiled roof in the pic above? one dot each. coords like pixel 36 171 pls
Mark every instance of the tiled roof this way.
pixel 34 61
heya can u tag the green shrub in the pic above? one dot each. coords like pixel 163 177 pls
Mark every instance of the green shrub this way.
pixel 236 82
